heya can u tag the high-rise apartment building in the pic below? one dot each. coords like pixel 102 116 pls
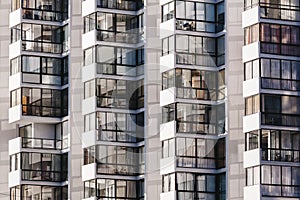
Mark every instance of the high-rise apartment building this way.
pixel 134 99
pixel 271 91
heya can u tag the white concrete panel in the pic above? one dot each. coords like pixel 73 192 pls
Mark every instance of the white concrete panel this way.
pixel 167 28
pixel 89 105
pixel 168 196
pixel 14 146
pixel 91 198
pixel 89 171
pixel 167 165
pixel 251 87
pixel 167 62
pixel 167 130
pixel 88 7
pixel 251 122
pixel 15 49
pixel 15 81
pixel 163 2
pixel 15 17
pixel 14 178
pixel 89 138
pixel 14 113
pixel 251 51
pixel 252 192
pixel 89 39
pixel 89 72
pixel 252 158
pixel 250 17
pixel 167 96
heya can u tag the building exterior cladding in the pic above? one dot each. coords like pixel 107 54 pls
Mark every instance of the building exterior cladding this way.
pixel 271 92
pixel 156 99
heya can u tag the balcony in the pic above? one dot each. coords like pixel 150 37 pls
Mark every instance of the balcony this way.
pixel 94 70
pixel 281 155
pixel 39 13
pixel 44 15
pixel 266 192
pixel 20 143
pixel 129 39
pixel 275 119
pixel 90 6
pixel 19 47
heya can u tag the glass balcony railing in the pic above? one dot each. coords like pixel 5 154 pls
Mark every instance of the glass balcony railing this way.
pixel 201 26
pixel 117 169
pixel 130 5
pixel 45 47
pixel 45 15
pixel 119 37
pixel 202 163
pixel 280 119
pixel 280 190
pixel 120 70
pixel 38 175
pixel 280 84
pixel 282 155
pixel 43 143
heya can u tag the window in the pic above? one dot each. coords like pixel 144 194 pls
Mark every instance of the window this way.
pixel 168 182
pixel 110 188
pixel 50 10
pixel 115 60
pixel 40 166
pixel 113 159
pixel 279 39
pixel 279 181
pixel 41 102
pixel 168 147
pixel 167 45
pixel 168 11
pixel 253 175
pixel 252 105
pixel 198 16
pixel 192 118
pixel 112 27
pixel 252 140
pixel 200 153
pixel 132 5
pixel 40 38
pixel 41 70
pixel 203 51
pixel 89 56
pixel 120 93
pixel 39 192
pixel 251 34
pixel 89 89
pixel 201 185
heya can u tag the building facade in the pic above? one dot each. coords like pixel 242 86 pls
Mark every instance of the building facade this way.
pixel 271 76
pixel 156 99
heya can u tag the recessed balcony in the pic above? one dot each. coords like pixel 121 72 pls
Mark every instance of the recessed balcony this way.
pixel 47 13
pixel 96 70
pixel 264 11
pixel 127 39
pixel 19 144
